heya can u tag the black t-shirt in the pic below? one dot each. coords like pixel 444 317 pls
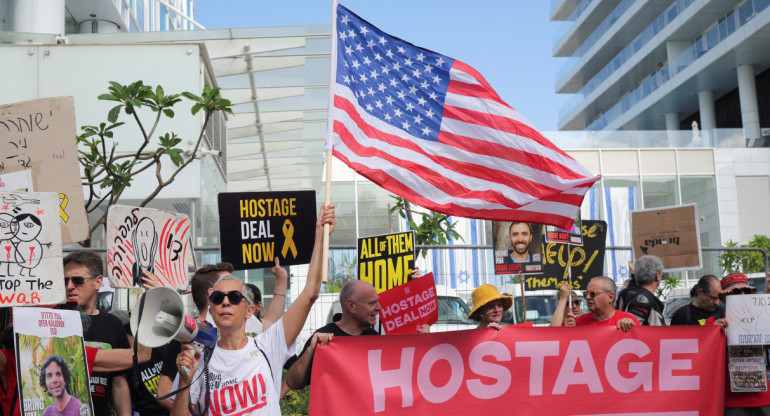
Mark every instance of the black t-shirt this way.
pixel 693 315
pixel 333 329
pixel 143 395
pixel 105 332
pixel 641 303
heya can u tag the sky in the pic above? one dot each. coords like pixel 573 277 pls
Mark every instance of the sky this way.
pixel 508 41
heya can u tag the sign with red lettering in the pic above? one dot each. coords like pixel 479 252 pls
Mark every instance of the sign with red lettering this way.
pixel 407 307
pixel 528 371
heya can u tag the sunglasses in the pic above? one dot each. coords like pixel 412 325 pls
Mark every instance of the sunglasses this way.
pixel 576 302
pixel 235 297
pixel 76 280
pixel 593 294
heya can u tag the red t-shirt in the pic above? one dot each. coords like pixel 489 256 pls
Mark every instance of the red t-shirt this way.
pixel 6 397
pixel 587 319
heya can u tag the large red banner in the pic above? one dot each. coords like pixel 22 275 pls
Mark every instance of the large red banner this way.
pixel 524 371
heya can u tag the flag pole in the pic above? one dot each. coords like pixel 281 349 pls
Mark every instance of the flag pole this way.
pixel 523 298
pixel 329 146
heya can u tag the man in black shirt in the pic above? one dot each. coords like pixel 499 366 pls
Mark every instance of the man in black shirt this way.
pixel 360 307
pixel 704 309
pixel 638 298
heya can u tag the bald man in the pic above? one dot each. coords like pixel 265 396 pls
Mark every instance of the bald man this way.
pixel 600 295
pixel 360 307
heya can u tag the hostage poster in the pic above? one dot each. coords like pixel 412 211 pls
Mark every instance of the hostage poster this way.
pixel 517 247
pixel 51 362
pixel 147 239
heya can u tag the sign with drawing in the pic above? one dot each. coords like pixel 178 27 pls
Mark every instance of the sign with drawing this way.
pixel 31 271
pixel 670 233
pixel 39 133
pixel 147 239
pixel 749 317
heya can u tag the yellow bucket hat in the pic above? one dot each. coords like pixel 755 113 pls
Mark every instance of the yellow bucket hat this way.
pixel 485 294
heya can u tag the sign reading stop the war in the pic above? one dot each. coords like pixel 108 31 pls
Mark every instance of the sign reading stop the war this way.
pixel 386 261
pixel 407 307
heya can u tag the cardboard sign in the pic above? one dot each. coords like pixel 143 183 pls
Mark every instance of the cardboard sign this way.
pixel 39 136
pixel 524 371
pixel 386 261
pixel 47 341
pixel 140 239
pixel 31 271
pixel 587 261
pixel 517 247
pixel 407 307
pixel 670 233
pixel 749 322
pixel 573 236
pixel 257 227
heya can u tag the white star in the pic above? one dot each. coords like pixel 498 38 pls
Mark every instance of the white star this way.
pixel 364 30
pixel 436 79
pixel 370 44
pixel 385 70
pixel 347 65
pixel 359 47
pixel 393 82
pixel 425 131
pixel 409 107
pixel 369 108
pixel 424 84
pixel 428 68
pixel 345 18
pixel 416 73
pixel 378 103
pixel 420 57
pixel 404 78
pixel 382 87
pixel 370 91
pixel 377 57
pixel 417 119
pixel 389 54
pixel 387 116
pixel 439 62
pixel 421 101
pixel 382 40
pixel 343 35
pixel 397 113
pixel 346 79
pixel 349 50
pixel 412 90
pixel 433 95
pixel 367 60
pixel 405 125
pixel 363 78
pixel 389 99
pixel 374 74
pixel 408 62
pixel 401 50
pixel 396 66
pixel 351 33
pixel 430 113
pixel 401 95
pixel 356 64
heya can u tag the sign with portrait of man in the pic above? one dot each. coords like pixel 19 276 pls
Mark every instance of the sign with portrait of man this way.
pixel 517 247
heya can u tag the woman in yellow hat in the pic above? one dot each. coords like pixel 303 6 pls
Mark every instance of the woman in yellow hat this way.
pixel 488 306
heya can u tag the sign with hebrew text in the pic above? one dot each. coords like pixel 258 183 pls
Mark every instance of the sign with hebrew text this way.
pixel 147 239
pixel 749 318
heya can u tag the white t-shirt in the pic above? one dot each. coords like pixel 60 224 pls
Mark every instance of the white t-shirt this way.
pixel 240 381
pixel 253 326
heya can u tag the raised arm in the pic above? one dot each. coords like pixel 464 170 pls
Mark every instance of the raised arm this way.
pixel 275 311
pixel 558 314
pixel 295 316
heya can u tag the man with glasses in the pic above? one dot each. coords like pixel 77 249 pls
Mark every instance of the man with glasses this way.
pixel 600 295
pixel 83 278
pixel 705 307
pixel 638 298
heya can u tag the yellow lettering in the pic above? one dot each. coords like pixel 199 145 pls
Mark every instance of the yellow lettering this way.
pixel 409 242
pixel 589 232
pixel 395 273
pixel 590 261
pixel 258 252
pixel 244 204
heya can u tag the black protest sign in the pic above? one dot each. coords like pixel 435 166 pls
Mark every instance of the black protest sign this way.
pixel 257 227
pixel 386 261
pixel 587 261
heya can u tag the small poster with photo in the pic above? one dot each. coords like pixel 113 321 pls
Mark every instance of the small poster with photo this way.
pixel 747 367
pixel 517 247
pixel 51 362
pixel 572 236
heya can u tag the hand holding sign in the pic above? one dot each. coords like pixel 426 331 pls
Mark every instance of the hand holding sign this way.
pixel 410 306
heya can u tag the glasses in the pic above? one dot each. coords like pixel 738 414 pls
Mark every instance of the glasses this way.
pixel 493 305
pixel 576 302
pixel 235 297
pixel 713 298
pixel 743 290
pixel 76 280
pixel 593 294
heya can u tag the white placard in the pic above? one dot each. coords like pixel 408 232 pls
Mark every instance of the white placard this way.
pixel 748 317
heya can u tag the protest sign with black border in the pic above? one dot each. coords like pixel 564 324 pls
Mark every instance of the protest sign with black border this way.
pixel 572 236
pixel 517 247
pixel 386 261
pixel 256 227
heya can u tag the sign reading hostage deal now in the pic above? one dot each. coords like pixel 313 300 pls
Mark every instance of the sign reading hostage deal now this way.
pixel 407 307
pixel 524 371
pixel 257 227
pixel 386 261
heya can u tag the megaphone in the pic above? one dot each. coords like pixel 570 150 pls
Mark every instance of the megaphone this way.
pixel 163 320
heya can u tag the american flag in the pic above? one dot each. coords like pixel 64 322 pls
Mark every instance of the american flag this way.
pixel 430 129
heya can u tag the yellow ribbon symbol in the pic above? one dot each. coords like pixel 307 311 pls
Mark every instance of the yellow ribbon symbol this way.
pixel 63 206
pixel 288 242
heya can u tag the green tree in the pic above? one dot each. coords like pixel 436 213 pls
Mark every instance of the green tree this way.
pixel 745 261
pixel 340 272
pixel 106 175
pixel 433 229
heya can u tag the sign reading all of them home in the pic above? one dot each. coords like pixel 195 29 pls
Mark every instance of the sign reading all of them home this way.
pixel 386 261
pixel 257 227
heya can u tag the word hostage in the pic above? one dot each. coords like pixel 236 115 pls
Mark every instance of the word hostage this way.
pixel 407 307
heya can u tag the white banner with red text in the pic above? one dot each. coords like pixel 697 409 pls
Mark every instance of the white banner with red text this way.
pixel 545 371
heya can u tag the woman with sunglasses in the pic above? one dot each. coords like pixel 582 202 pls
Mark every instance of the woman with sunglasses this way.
pixel 488 306
pixel 244 364
pixel 564 315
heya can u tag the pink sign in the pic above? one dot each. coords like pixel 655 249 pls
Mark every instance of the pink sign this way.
pixel 407 307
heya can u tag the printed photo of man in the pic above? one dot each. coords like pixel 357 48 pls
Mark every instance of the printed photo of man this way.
pixel 520 235
pixel 55 379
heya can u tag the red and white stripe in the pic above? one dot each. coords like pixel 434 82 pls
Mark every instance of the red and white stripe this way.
pixel 488 163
